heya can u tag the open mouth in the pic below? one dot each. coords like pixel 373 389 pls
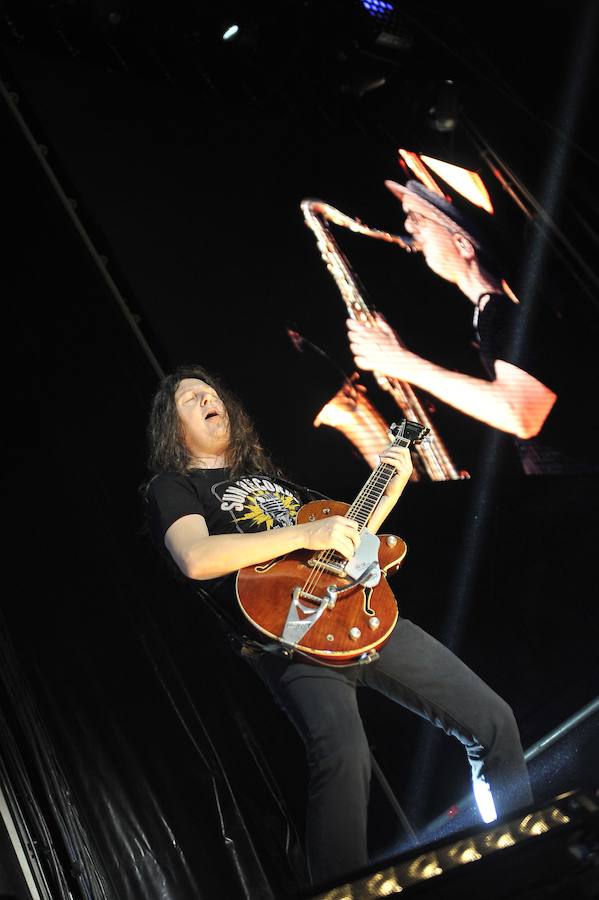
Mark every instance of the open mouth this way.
pixel 211 414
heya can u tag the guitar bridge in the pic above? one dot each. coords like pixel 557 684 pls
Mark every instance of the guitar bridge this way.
pixel 334 568
pixel 364 560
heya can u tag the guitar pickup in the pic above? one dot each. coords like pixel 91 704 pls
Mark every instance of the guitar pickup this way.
pixel 335 568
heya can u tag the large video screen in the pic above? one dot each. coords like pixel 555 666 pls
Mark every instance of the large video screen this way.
pixel 435 322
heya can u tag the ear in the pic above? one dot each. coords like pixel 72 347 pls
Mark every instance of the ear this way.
pixel 464 247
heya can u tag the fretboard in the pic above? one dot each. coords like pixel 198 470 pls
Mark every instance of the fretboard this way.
pixel 369 497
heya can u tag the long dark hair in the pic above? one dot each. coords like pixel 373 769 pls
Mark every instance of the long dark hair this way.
pixel 166 443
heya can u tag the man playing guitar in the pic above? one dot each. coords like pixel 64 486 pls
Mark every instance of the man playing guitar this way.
pixel 216 505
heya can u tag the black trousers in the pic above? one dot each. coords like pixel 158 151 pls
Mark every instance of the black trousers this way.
pixel 418 672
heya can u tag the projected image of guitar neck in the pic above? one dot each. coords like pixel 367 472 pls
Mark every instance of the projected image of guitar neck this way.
pixel 507 377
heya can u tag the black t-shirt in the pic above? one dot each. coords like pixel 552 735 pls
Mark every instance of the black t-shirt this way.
pixel 564 443
pixel 244 504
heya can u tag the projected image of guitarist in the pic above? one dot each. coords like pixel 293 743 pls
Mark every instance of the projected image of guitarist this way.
pixel 315 595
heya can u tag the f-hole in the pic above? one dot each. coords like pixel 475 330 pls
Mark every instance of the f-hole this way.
pixel 367 608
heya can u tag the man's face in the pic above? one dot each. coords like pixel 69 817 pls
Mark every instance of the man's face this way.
pixel 438 243
pixel 204 418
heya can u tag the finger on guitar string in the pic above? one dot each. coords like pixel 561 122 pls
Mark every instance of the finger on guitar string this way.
pixel 398 457
pixel 334 533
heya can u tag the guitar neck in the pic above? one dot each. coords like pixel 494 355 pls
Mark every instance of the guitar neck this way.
pixel 370 496
pixel 361 510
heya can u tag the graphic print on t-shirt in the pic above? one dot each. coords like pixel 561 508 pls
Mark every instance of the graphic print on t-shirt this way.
pixel 257 503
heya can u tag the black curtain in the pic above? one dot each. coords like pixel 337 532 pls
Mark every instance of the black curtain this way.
pixel 187 781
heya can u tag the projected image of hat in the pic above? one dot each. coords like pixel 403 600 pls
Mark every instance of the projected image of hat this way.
pixel 439 210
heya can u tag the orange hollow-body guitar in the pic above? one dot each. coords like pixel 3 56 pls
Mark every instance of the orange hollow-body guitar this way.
pixel 320 605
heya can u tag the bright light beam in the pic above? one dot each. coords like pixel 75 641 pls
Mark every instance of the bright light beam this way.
pixel 569 107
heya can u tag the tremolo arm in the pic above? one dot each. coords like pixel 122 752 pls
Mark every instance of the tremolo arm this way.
pixel 362 569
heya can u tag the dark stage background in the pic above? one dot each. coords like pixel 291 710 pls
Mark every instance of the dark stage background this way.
pixel 157 763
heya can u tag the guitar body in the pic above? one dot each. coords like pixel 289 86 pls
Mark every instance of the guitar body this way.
pixel 360 620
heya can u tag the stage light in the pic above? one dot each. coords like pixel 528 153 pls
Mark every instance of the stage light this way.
pixel 394 35
pixel 534 824
pixel 378 8
pixel 464 852
pixel 495 841
pixel 414 162
pixel 443 115
pixel 230 32
pixel 467 183
pixel 573 815
pixel 424 867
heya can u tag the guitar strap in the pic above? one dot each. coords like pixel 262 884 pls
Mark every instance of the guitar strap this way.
pixel 308 490
pixel 242 644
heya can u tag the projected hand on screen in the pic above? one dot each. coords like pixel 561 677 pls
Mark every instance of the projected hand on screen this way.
pixel 378 349
pixel 513 400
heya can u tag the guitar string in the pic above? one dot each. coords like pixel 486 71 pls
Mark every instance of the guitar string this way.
pixel 325 556
pixel 328 555
pixel 383 471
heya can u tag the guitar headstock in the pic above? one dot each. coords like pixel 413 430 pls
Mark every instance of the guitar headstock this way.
pixel 413 432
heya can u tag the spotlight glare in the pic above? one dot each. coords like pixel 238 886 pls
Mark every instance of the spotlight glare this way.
pixel 230 32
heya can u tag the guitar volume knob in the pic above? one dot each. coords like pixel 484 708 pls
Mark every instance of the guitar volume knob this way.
pixel 374 623
pixel 355 633
pixel 391 540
